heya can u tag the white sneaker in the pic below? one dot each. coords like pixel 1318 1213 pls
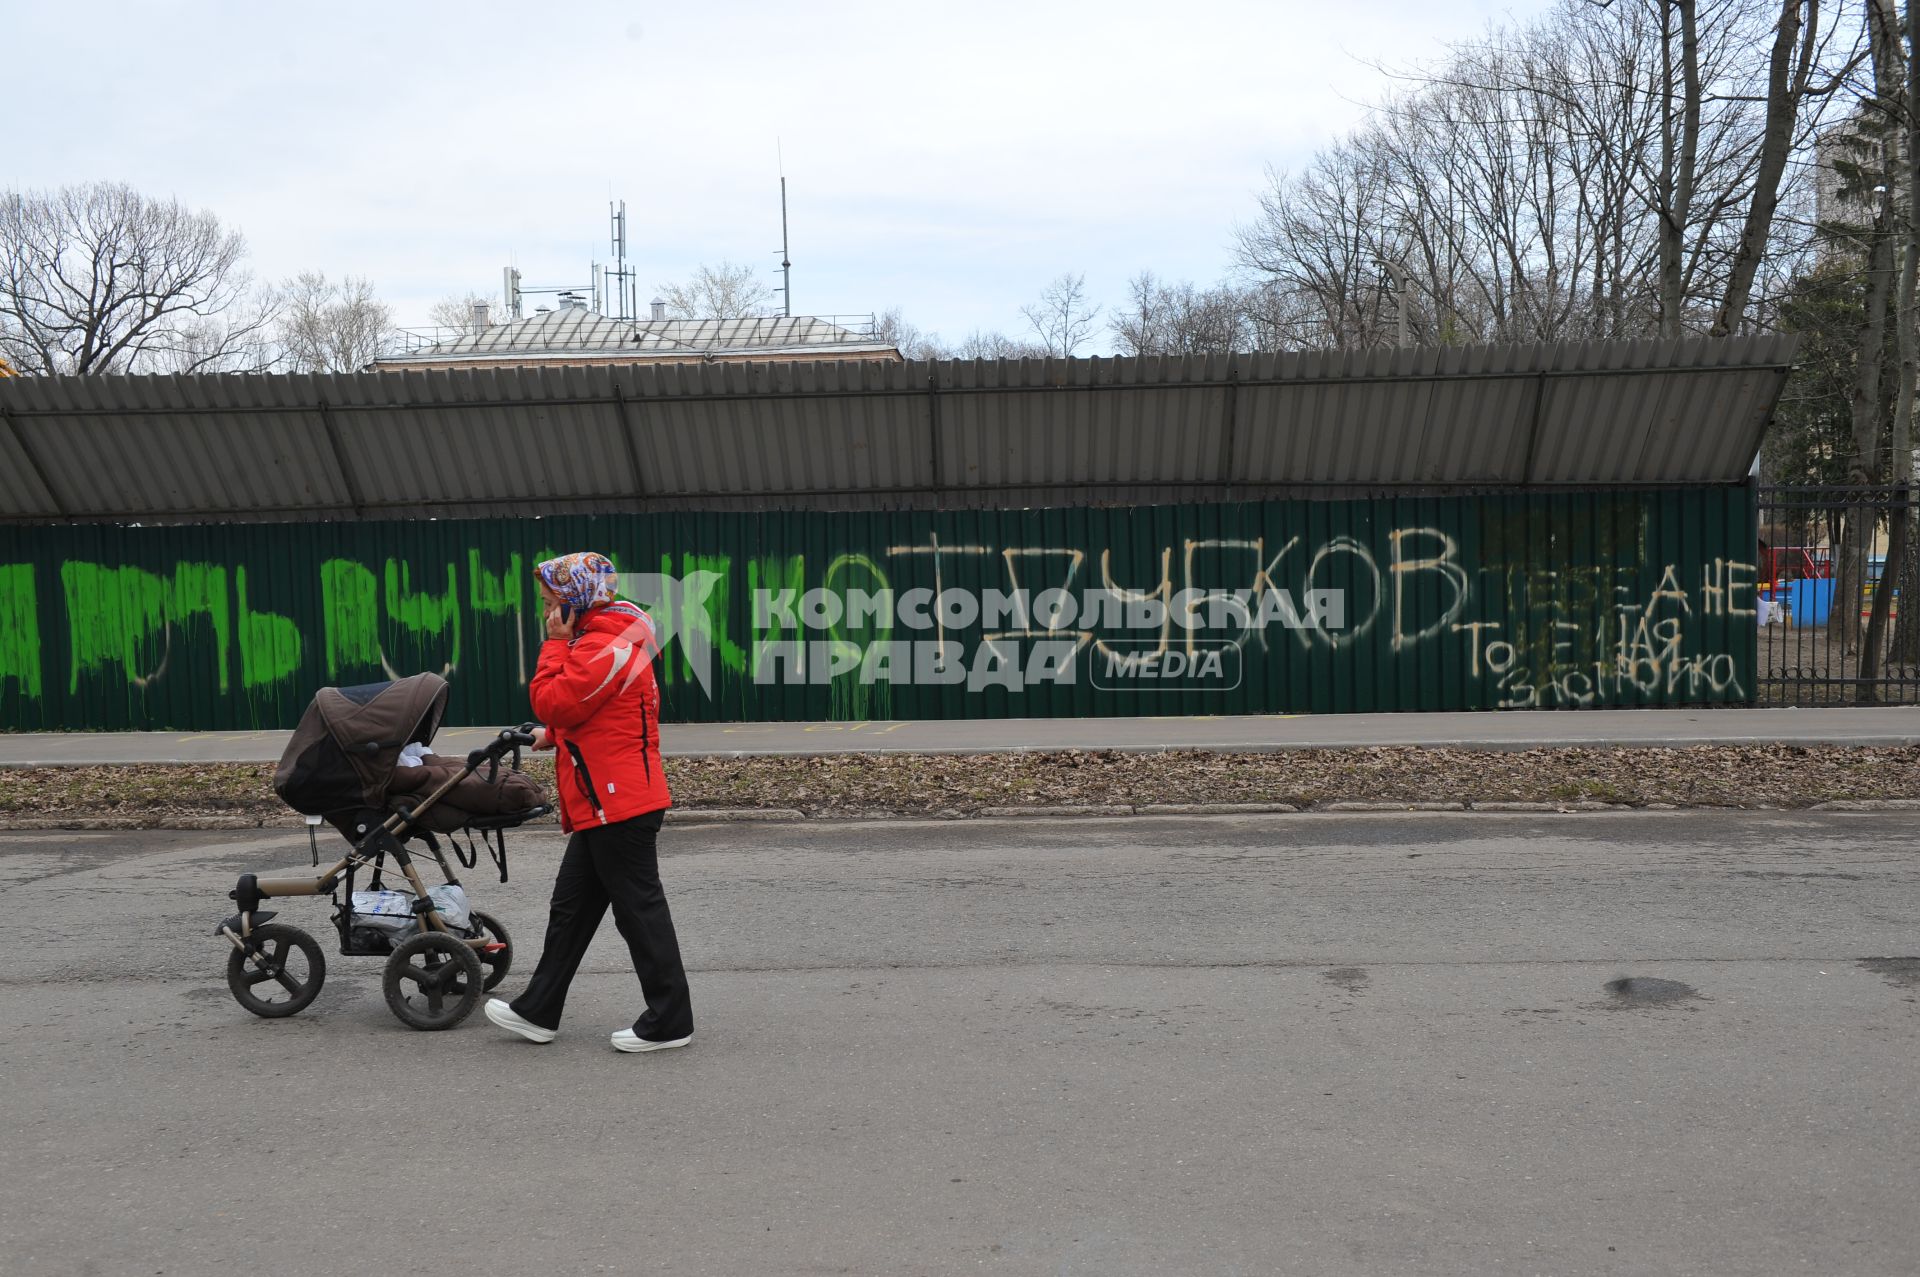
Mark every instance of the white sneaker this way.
pixel 628 1040
pixel 502 1014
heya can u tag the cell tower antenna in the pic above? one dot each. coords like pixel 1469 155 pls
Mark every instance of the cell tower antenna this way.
pixel 786 258
pixel 621 293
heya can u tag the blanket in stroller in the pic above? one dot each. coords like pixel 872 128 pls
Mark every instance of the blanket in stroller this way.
pixel 477 799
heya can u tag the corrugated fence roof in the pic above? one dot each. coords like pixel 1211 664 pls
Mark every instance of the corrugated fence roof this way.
pixel 863 435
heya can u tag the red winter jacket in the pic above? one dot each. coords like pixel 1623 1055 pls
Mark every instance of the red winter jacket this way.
pixel 597 698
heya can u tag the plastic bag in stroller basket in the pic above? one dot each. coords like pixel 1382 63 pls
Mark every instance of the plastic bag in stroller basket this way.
pixel 390 913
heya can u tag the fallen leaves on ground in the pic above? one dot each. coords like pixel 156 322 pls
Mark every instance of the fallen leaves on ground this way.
pixel 943 784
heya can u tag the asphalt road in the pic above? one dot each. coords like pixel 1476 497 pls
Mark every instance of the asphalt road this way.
pixel 1886 725
pixel 1341 1044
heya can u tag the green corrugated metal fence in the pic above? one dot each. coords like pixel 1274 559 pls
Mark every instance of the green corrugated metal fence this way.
pixel 1634 598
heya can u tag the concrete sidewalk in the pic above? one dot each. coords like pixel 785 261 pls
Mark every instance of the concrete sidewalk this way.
pixel 1898 725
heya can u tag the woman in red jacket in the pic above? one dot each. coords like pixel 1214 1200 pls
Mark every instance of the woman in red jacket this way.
pixel 595 693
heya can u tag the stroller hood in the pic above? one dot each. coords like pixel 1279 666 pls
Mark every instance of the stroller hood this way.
pixel 343 754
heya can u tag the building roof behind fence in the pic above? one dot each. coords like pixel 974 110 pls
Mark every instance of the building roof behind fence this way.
pixel 573 334
pixel 865 435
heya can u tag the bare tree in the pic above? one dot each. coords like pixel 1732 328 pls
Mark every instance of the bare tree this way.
pixel 99 278
pixel 1062 318
pixel 1852 394
pixel 725 291
pixel 1179 319
pixel 1141 327
pixel 979 344
pixel 1318 240
pixel 1902 567
pixel 1681 90
pixel 916 343
pixel 1901 145
pixel 331 327
pixel 1791 87
pixel 1614 168
pixel 1871 178
pixel 463 313
pixel 242 341
pixel 1277 318
pixel 894 328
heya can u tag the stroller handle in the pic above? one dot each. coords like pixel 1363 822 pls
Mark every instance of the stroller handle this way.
pixel 512 740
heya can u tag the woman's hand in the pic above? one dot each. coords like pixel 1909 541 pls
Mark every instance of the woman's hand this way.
pixel 559 626
pixel 541 740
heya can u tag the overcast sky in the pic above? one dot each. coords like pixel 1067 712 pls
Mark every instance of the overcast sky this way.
pixel 948 159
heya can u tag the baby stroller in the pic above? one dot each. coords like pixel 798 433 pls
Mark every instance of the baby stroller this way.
pixel 343 766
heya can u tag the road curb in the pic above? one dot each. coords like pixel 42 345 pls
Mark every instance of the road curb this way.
pixel 1214 809
pixel 732 815
pixel 136 824
pixel 1063 809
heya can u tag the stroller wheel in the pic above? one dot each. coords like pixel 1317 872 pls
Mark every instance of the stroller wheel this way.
pixel 500 961
pixel 432 981
pixel 282 975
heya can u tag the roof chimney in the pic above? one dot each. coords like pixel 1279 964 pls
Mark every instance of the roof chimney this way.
pixel 659 309
pixel 479 317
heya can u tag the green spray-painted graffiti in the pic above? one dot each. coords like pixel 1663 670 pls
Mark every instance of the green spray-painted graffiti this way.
pixel 774 578
pixel 425 626
pixel 20 628
pixel 848 577
pixel 425 615
pixel 701 614
pixel 1495 602
pixel 270 645
pixel 126 616
pixel 350 605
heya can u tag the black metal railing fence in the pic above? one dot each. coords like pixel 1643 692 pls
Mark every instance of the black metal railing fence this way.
pixel 1837 568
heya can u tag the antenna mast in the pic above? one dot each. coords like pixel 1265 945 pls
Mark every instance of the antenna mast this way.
pixel 510 290
pixel 786 258
pixel 621 296
pixel 786 264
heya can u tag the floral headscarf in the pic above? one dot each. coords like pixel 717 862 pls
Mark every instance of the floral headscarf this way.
pixel 581 581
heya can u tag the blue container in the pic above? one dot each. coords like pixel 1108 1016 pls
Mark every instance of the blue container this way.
pixel 1811 601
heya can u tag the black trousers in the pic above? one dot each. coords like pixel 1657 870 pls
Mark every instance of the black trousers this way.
pixel 615 864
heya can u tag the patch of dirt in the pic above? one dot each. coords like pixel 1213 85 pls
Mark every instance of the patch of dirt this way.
pixel 909 785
